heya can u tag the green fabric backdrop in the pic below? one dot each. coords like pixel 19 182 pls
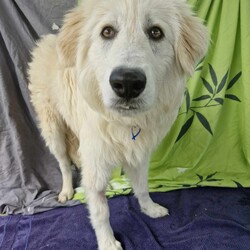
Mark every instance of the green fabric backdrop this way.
pixel 209 144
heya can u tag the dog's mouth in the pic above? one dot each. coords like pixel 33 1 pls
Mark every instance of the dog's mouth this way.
pixel 128 107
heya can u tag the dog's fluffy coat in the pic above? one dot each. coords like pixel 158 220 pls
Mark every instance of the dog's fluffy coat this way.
pixel 81 118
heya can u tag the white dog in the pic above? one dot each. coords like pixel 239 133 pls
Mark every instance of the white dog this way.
pixel 107 89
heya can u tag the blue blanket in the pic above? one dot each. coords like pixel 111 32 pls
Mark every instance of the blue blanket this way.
pixel 201 218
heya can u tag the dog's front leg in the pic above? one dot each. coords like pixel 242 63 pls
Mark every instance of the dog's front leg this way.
pixel 139 180
pixel 95 180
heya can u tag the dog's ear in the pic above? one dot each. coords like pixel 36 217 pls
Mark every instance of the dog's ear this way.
pixel 192 43
pixel 68 37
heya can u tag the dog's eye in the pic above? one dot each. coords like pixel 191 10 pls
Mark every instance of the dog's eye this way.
pixel 155 33
pixel 108 32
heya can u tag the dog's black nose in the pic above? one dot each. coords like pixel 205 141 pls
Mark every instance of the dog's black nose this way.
pixel 128 83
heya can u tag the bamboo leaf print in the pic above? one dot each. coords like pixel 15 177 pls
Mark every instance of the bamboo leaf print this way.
pixel 200 177
pixel 238 184
pixel 219 100
pixel 201 61
pixel 222 83
pixel 207 85
pixel 234 80
pixel 209 178
pixel 204 122
pixel 213 75
pixel 201 98
pixel 232 97
pixel 185 128
pixel 186 185
pixel 211 175
pixel 212 180
pixel 187 100
pixel 199 68
pixel 214 97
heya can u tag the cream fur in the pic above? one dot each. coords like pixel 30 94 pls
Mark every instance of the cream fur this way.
pixel 75 105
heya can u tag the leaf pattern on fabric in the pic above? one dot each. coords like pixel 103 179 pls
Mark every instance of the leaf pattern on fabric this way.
pixel 212 98
pixel 207 85
pixel 188 101
pixel 201 98
pixel 203 179
pixel 199 66
pixel 234 80
pixel 232 97
pixel 222 83
pixel 204 122
pixel 185 128
pixel 238 184
pixel 213 75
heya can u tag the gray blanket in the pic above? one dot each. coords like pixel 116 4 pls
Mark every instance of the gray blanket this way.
pixel 29 175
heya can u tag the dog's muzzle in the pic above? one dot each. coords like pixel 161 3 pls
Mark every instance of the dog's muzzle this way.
pixel 127 83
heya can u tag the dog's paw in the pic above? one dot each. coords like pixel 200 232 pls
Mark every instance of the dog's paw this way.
pixel 65 195
pixel 154 210
pixel 110 245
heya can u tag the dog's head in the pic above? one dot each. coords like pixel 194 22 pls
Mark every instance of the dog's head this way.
pixel 129 53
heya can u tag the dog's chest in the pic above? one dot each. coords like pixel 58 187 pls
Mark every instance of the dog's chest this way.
pixel 131 144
